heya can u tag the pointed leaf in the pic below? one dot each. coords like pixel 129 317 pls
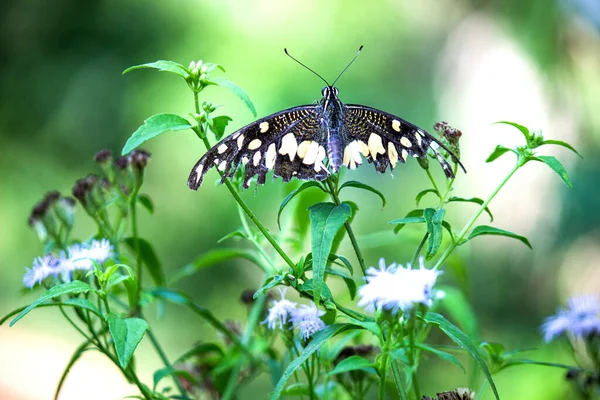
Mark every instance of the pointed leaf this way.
pixel 460 311
pixel 490 230
pixel 315 343
pixel 297 389
pixel 563 144
pixel 238 91
pixel 412 217
pixel 218 125
pixel 212 257
pixel 162 65
pixel 348 280
pixel 146 202
pixel 423 193
pixel 148 256
pixel 127 334
pixel 82 303
pixel 353 363
pixel 154 126
pixel 162 373
pixel 293 194
pixel 74 287
pixel 360 185
pixel 556 166
pixel 460 338
pixel 434 219
pixel 475 200
pixel 524 130
pixel 326 219
pixel 442 354
pixel 498 151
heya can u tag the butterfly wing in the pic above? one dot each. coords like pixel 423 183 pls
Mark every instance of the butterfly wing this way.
pixel 386 139
pixel 288 142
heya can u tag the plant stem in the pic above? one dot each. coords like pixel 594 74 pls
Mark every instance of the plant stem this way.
pixel 255 242
pixel 201 134
pixel 413 261
pixel 138 256
pixel 334 195
pixel 460 237
pixel 166 362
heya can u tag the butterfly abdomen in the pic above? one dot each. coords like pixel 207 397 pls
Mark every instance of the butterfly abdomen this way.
pixel 334 151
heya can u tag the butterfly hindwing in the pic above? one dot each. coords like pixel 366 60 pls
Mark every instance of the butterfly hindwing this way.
pixel 385 139
pixel 281 142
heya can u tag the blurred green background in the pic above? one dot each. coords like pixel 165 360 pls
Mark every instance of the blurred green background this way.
pixel 470 62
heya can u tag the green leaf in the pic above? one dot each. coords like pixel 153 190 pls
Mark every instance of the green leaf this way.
pixel 76 356
pixel 296 389
pixel 490 230
pixel 442 354
pixel 154 126
pixel 211 258
pixel 149 258
pixel 353 363
pixel 460 338
pixel 82 303
pixel 74 287
pixel 211 67
pixel 563 144
pixel 293 194
pixel 162 373
pixel 181 298
pixel 146 202
pixel 556 166
pixel 434 219
pixel 460 310
pixel 423 193
pixel 238 91
pixel 475 200
pixel 348 280
pixel 413 217
pixel 127 334
pixel 317 340
pixel 360 185
pixel 162 65
pixel 200 349
pixel 326 219
pixel 218 125
pixel 524 130
pixel 498 151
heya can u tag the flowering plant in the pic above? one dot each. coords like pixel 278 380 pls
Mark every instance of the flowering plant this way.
pixel 313 345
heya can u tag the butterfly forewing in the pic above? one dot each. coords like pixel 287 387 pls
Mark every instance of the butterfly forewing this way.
pixel 279 142
pixel 385 139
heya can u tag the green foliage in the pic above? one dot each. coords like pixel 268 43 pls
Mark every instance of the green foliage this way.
pixel 326 219
pixel 475 200
pixel 218 124
pixel 235 89
pixel 148 256
pixel 556 166
pixel 359 185
pixel 294 193
pixel 154 126
pixel 74 287
pixel 490 230
pixel 434 219
pixel 353 363
pixel 127 334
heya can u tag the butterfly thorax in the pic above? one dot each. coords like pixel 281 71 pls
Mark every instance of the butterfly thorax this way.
pixel 331 121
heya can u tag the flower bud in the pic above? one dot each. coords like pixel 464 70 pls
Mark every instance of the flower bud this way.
pixel 65 210
pixel 195 71
pixel 192 65
pixel 452 135
pixel 203 78
pixel 138 159
pixel 203 69
pixel 199 63
pixel 103 157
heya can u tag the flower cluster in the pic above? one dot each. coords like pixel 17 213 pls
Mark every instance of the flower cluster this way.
pixel 580 319
pixel 396 288
pixel 306 318
pixel 78 257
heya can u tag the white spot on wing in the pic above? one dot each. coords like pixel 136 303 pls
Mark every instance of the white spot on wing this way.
pixel 405 142
pixel 240 142
pixel 264 126
pixel 255 144
pixel 302 148
pixel 311 153
pixel 289 146
pixel 256 158
pixel 396 125
pixel 392 154
pixel 270 156
pixel 222 148
pixel 375 145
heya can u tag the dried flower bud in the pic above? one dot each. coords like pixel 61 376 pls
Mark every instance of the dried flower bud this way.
pixel 121 162
pixel 247 296
pixel 139 159
pixel 452 135
pixel 103 156
pixel 83 188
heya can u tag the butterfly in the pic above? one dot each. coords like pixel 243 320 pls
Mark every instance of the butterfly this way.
pixel 311 142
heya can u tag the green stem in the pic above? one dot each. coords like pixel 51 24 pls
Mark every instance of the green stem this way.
pixel 413 362
pixel 138 256
pixel 200 131
pixel 460 237
pixel 437 191
pixel 334 195
pixel 166 362
pixel 413 261
pixel 255 242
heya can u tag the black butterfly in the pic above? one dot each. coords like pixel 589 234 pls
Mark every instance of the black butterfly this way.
pixel 313 141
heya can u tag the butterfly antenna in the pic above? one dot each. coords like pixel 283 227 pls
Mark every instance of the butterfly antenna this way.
pixel 349 64
pixel 323 79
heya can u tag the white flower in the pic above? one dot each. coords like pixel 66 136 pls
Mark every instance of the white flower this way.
pixel 280 311
pixel 394 287
pixel 82 256
pixel 307 320
pixel 42 268
pixel 581 318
